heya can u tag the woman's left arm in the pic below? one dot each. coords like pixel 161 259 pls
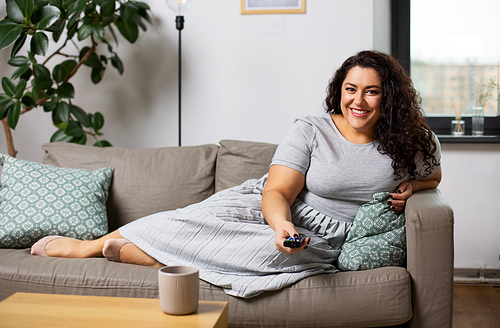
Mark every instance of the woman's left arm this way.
pixel 407 188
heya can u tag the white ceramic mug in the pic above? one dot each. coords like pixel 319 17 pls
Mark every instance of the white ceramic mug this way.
pixel 179 289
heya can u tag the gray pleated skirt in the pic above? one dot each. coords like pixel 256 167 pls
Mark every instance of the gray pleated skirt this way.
pixel 227 238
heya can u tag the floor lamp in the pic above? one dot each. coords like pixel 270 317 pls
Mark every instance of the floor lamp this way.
pixel 179 7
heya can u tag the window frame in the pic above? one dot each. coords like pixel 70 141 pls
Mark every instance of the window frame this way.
pixel 400 48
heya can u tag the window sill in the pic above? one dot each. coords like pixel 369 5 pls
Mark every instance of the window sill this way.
pixel 469 139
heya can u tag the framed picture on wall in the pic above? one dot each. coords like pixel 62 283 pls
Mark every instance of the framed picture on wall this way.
pixel 273 6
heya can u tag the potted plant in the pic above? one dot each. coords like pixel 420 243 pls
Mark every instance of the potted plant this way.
pixel 77 28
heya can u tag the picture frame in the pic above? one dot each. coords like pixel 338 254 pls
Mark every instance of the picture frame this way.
pixel 273 7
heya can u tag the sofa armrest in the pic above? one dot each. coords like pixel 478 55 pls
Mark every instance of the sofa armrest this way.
pixel 430 253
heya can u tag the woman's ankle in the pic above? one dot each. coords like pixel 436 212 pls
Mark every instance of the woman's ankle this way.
pixel 130 253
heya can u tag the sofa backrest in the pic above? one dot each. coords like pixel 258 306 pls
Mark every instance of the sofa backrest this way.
pixel 238 161
pixel 145 181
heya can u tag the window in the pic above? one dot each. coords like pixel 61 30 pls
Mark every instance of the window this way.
pixel 451 48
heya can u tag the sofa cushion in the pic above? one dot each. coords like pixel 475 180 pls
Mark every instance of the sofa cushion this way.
pixel 239 161
pixel 145 181
pixel 38 200
pixel 373 298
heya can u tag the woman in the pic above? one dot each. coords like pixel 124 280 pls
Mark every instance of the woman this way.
pixel 373 138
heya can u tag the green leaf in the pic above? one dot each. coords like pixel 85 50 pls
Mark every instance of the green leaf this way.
pixel 93 60
pixel 23 72
pixel 18 45
pixel 61 113
pixel 68 66
pixel 98 30
pixel 21 86
pixel 104 60
pixel 66 90
pixel 42 82
pixel 58 73
pixel 141 5
pixel 117 63
pixel 113 34
pixel 97 121
pixel 28 101
pixel 41 70
pixel 128 10
pixel 15 11
pixel 80 115
pixel 72 31
pixel 20 72
pixel 8 86
pixel 74 129
pixel 81 141
pixel 73 20
pixel 13 115
pixel 139 22
pixel 5 109
pixel 57 3
pixel 102 143
pixel 4 99
pixel 108 8
pixel 41 3
pixel 50 106
pixel 57 28
pixel 96 74
pixel 9 34
pixel 40 43
pixel 18 61
pixel 49 15
pixel 60 136
pixel 85 31
pixel 144 14
pixel 27 7
pixel 77 7
pixel 128 28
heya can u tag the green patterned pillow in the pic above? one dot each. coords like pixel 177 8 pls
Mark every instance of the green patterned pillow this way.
pixel 38 200
pixel 377 237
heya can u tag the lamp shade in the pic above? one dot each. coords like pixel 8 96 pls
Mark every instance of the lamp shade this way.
pixel 179 6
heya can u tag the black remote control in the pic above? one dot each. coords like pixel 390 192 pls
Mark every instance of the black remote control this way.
pixel 294 242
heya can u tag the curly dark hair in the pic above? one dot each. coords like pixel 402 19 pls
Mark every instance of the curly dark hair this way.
pixel 402 131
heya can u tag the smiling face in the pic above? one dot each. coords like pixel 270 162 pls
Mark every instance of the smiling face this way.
pixel 360 103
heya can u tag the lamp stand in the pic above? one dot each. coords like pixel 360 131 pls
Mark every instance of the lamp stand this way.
pixel 179 20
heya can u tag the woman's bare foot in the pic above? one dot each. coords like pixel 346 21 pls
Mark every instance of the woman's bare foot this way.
pixel 122 250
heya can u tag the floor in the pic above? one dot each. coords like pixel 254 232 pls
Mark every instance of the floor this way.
pixel 476 306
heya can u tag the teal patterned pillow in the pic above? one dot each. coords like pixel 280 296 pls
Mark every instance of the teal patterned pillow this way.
pixel 38 200
pixel 377 237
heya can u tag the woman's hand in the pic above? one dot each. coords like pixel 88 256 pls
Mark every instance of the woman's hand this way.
pixel 398 199
pixel 406 189
pixel 282 187
pixel 283 231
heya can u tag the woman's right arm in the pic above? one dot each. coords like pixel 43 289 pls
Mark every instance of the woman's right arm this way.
pixel 282 187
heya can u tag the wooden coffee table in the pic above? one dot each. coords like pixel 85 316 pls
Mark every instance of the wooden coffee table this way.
pixel 49 310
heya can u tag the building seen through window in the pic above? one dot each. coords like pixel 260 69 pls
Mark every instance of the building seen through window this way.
pixel 455 55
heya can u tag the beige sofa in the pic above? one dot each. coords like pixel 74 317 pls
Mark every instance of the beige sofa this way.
pixel 151 180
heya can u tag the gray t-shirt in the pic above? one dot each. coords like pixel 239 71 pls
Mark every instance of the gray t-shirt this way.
pixel 340 175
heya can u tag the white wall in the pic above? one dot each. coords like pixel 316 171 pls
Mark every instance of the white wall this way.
pixel 247 77
pixel 244 76
pixel 471 185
